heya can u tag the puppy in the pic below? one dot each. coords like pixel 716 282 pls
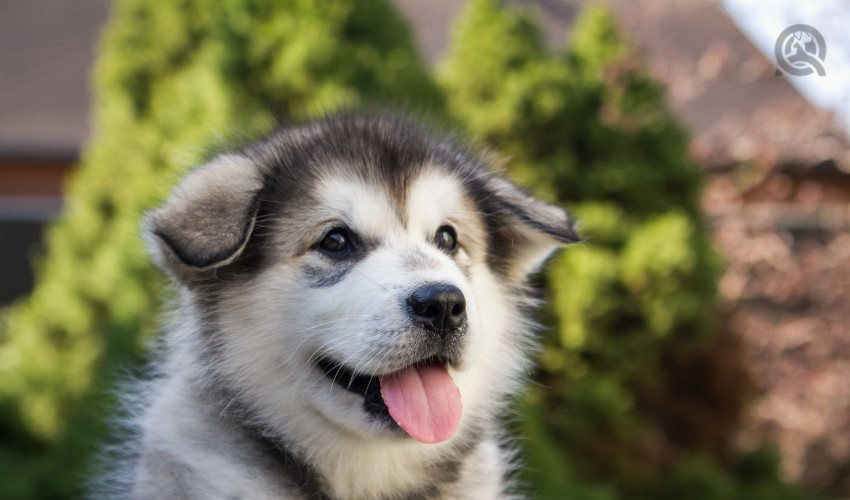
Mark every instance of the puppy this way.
pixel 351 319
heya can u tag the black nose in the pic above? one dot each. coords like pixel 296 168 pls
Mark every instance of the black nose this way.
pixel 439 307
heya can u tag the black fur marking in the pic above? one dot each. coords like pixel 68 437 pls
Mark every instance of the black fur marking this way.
pixel 427 492
pixel 323 277
pixel 382 150
pixel 228 405
pixel 336 268
pixel 565 233
pixel 296 471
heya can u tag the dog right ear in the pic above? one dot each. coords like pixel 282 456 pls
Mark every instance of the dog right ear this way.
pixel 209 217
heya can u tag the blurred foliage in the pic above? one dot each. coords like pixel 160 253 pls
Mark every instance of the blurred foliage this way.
pixel 171 78
pixel 637 395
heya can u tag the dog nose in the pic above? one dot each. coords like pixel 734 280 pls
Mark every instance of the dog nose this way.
pixel 439 307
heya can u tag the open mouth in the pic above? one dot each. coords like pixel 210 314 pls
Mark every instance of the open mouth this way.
pixel 422 398
pixel 367 386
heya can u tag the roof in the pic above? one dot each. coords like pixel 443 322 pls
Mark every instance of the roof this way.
pixel 46 54
pixel 718 83
pixel 730 95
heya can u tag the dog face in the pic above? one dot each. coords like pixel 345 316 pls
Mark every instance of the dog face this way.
pixel 357 276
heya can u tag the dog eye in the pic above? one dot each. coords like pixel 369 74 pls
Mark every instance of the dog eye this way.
pixel 446 238
pixel 336 241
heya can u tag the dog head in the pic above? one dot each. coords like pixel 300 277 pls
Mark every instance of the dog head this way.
pixel 361 269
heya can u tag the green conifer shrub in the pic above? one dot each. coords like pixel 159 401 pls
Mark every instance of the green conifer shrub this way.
pixel 171 79
pixel 631 400
pixel 629 392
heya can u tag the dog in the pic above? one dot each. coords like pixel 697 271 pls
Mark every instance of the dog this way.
pixel 351 318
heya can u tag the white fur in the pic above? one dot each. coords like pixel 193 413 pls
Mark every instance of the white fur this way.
pixel 273 328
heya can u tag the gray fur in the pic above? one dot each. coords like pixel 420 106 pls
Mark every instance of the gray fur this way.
pixel 241 406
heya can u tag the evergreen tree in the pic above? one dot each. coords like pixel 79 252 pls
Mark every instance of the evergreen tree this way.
pixel 171 78
pixel 631 310
pixel 632 340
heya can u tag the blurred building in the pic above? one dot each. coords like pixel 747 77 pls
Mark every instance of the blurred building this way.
pixel 778 198
pixel 778 194
pixel 46 53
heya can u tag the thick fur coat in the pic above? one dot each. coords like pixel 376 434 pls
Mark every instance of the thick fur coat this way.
pixel 323 273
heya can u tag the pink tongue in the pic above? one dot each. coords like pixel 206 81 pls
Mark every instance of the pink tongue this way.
pixel 424 401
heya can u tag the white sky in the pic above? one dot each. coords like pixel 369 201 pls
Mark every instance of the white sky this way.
pixel 763 20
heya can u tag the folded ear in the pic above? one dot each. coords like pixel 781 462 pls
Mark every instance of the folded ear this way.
pixel 209 217
pixel 528 230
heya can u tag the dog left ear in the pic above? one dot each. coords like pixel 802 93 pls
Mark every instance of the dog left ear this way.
pixel 530 229
pixel 208 219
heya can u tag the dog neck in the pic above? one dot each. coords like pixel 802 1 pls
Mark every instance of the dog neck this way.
pixel 339 465
pixel 370 469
